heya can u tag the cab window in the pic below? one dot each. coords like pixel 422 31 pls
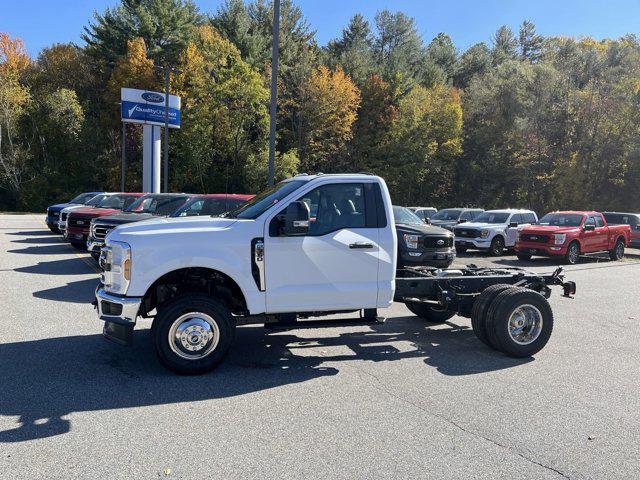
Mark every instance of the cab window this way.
pixel 590 221
pixel 334 207
pixel 599 221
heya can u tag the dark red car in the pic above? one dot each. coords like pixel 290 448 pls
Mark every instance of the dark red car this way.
pixel 79 221
pixel 570 234
pixel 631 219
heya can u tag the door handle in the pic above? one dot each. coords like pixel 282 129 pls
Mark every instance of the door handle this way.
pixel 361 245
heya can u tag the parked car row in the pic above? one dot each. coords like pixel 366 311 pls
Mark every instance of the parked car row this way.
pixel 565 235
pixel 86 220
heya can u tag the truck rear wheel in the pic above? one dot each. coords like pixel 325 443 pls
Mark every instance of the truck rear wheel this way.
pixel 618 251
pixel 428 313
pixel 480 309
pixel 192 334
pixel 519 322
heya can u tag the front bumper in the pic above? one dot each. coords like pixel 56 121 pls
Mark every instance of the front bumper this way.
pixel 479 243
pixel 114 309
pixel 541 249
pixel 94 245
pixel 52 221
pixel 77 235
pixel 432 258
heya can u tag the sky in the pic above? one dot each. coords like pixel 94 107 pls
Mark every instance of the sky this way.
pixel 41 23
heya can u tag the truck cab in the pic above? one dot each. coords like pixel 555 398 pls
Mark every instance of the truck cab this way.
pixel 310 244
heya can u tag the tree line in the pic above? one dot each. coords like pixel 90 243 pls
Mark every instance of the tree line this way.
pixel 521 120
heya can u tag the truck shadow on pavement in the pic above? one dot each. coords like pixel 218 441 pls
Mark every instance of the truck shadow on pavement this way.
pixel 53 249
pixel 68 266
pixel 46 380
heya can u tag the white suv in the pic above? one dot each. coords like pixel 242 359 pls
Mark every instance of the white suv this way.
pixel 493 231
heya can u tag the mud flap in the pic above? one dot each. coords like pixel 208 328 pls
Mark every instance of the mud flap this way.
pixel 122 334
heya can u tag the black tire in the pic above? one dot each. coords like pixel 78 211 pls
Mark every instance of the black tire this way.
pixel 182 307
pixel 428 313
pixel 497 246
pixel 54 230
pixel 480 309
pixel 78 245
pixel 572 257
pixel 461 249
pixel 524 256
pixel 95 256
pixel 617 253
pixel 500 312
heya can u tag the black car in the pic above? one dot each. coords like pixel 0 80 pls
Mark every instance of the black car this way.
pixel 145 207
pixel 420 244
pixel 450 217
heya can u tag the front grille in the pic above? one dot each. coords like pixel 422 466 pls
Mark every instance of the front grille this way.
pixel 467 232
pixel 432 242
pixel 75 221
pixel 533 237
pixel 99 231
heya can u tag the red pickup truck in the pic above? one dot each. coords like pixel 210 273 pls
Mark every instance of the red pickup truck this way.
pixel 571 234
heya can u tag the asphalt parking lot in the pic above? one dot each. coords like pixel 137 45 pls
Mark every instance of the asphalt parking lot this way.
pixel 397 400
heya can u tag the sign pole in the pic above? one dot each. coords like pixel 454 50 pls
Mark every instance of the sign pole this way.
pixel 166 129
pixel 123 160
pixel 274 91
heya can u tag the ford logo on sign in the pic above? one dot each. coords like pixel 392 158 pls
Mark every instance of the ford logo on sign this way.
pixel 153 97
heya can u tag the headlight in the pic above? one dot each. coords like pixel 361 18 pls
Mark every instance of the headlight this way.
pixel 411 241
pixel 115 260
pixel 517 235
pixel 484 233
pixel 559 238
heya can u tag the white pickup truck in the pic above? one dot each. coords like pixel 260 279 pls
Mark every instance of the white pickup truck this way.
pixel 311 245
pixel 492 231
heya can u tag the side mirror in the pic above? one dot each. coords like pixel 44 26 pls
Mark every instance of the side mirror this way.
pixel 295 219
pixel 589 228
pixel 462 220
pixel 513 225
pixel 427 220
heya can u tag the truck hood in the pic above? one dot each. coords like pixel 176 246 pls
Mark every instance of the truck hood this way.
pixel 168 225
pixel 485 226
pixel 125 217
pixel 549 229
pixel 422 229
pixel 444 223
pixel 59 206
pixel 91 212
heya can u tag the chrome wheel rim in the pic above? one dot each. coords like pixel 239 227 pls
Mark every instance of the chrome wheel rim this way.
pixel 193 335
pixel 498 248
pixel 525 324
pixel 620 250
pixel 573 254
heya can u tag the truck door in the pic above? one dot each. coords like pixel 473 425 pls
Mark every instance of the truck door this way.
pixel 601 237
pixel 335 265
pixel 589 241
pixel 512 231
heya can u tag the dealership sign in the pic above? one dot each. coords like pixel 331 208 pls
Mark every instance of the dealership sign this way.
pixel 142 106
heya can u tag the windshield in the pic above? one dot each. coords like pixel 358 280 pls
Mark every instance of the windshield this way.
pixel 561 220
pixel 117 202
pixel 207 206
pixel 157 204
pixel 265 200
pixel 405 216
pixel 96 200
pixel 492 217
pixel 82 198
pixel 447 214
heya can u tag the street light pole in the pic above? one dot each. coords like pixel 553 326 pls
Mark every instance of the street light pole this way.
pixel 123 161
pixel 274 91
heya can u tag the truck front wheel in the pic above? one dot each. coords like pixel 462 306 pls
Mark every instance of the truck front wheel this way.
pixel 192 334
pixel 497 246
pixel 519 322
pixel 573 254
pixel 428 313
